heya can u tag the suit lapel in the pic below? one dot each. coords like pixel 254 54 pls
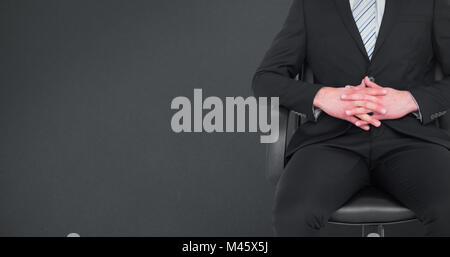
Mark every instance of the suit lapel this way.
pixel 391 13
pixel 344 10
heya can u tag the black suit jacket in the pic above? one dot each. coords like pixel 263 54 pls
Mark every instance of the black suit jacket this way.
pixel 414 35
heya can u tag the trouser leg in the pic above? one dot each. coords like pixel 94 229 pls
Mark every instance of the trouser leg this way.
pixel 418 175
pixel 317 181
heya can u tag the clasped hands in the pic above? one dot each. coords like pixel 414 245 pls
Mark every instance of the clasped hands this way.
pixel 365 104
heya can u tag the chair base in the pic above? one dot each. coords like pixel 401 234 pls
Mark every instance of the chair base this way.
pixel 372 231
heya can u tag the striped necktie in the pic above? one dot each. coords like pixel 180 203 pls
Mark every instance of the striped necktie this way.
pixel 365 13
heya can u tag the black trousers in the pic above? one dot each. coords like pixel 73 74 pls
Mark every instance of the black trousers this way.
pixel 320 178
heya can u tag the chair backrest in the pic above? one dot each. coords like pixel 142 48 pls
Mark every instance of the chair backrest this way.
pixel 444 121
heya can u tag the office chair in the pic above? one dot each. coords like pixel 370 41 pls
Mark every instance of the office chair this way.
pixel 370 208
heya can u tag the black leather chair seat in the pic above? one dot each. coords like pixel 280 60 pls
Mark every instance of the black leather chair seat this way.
pixel 371 206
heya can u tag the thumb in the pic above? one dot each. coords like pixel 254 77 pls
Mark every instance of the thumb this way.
pixel 371 84
pixel 358 87
pixel 362 85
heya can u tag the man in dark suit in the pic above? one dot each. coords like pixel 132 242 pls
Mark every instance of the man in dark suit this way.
pixel 371 112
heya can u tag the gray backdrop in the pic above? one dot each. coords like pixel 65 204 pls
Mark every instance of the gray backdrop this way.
pixel 85 138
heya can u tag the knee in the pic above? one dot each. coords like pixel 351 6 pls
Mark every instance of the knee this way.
pixel 299 222
pixel 437 219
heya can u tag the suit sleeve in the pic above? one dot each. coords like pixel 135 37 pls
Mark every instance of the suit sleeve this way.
pixel 275 76
pixel 434 99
